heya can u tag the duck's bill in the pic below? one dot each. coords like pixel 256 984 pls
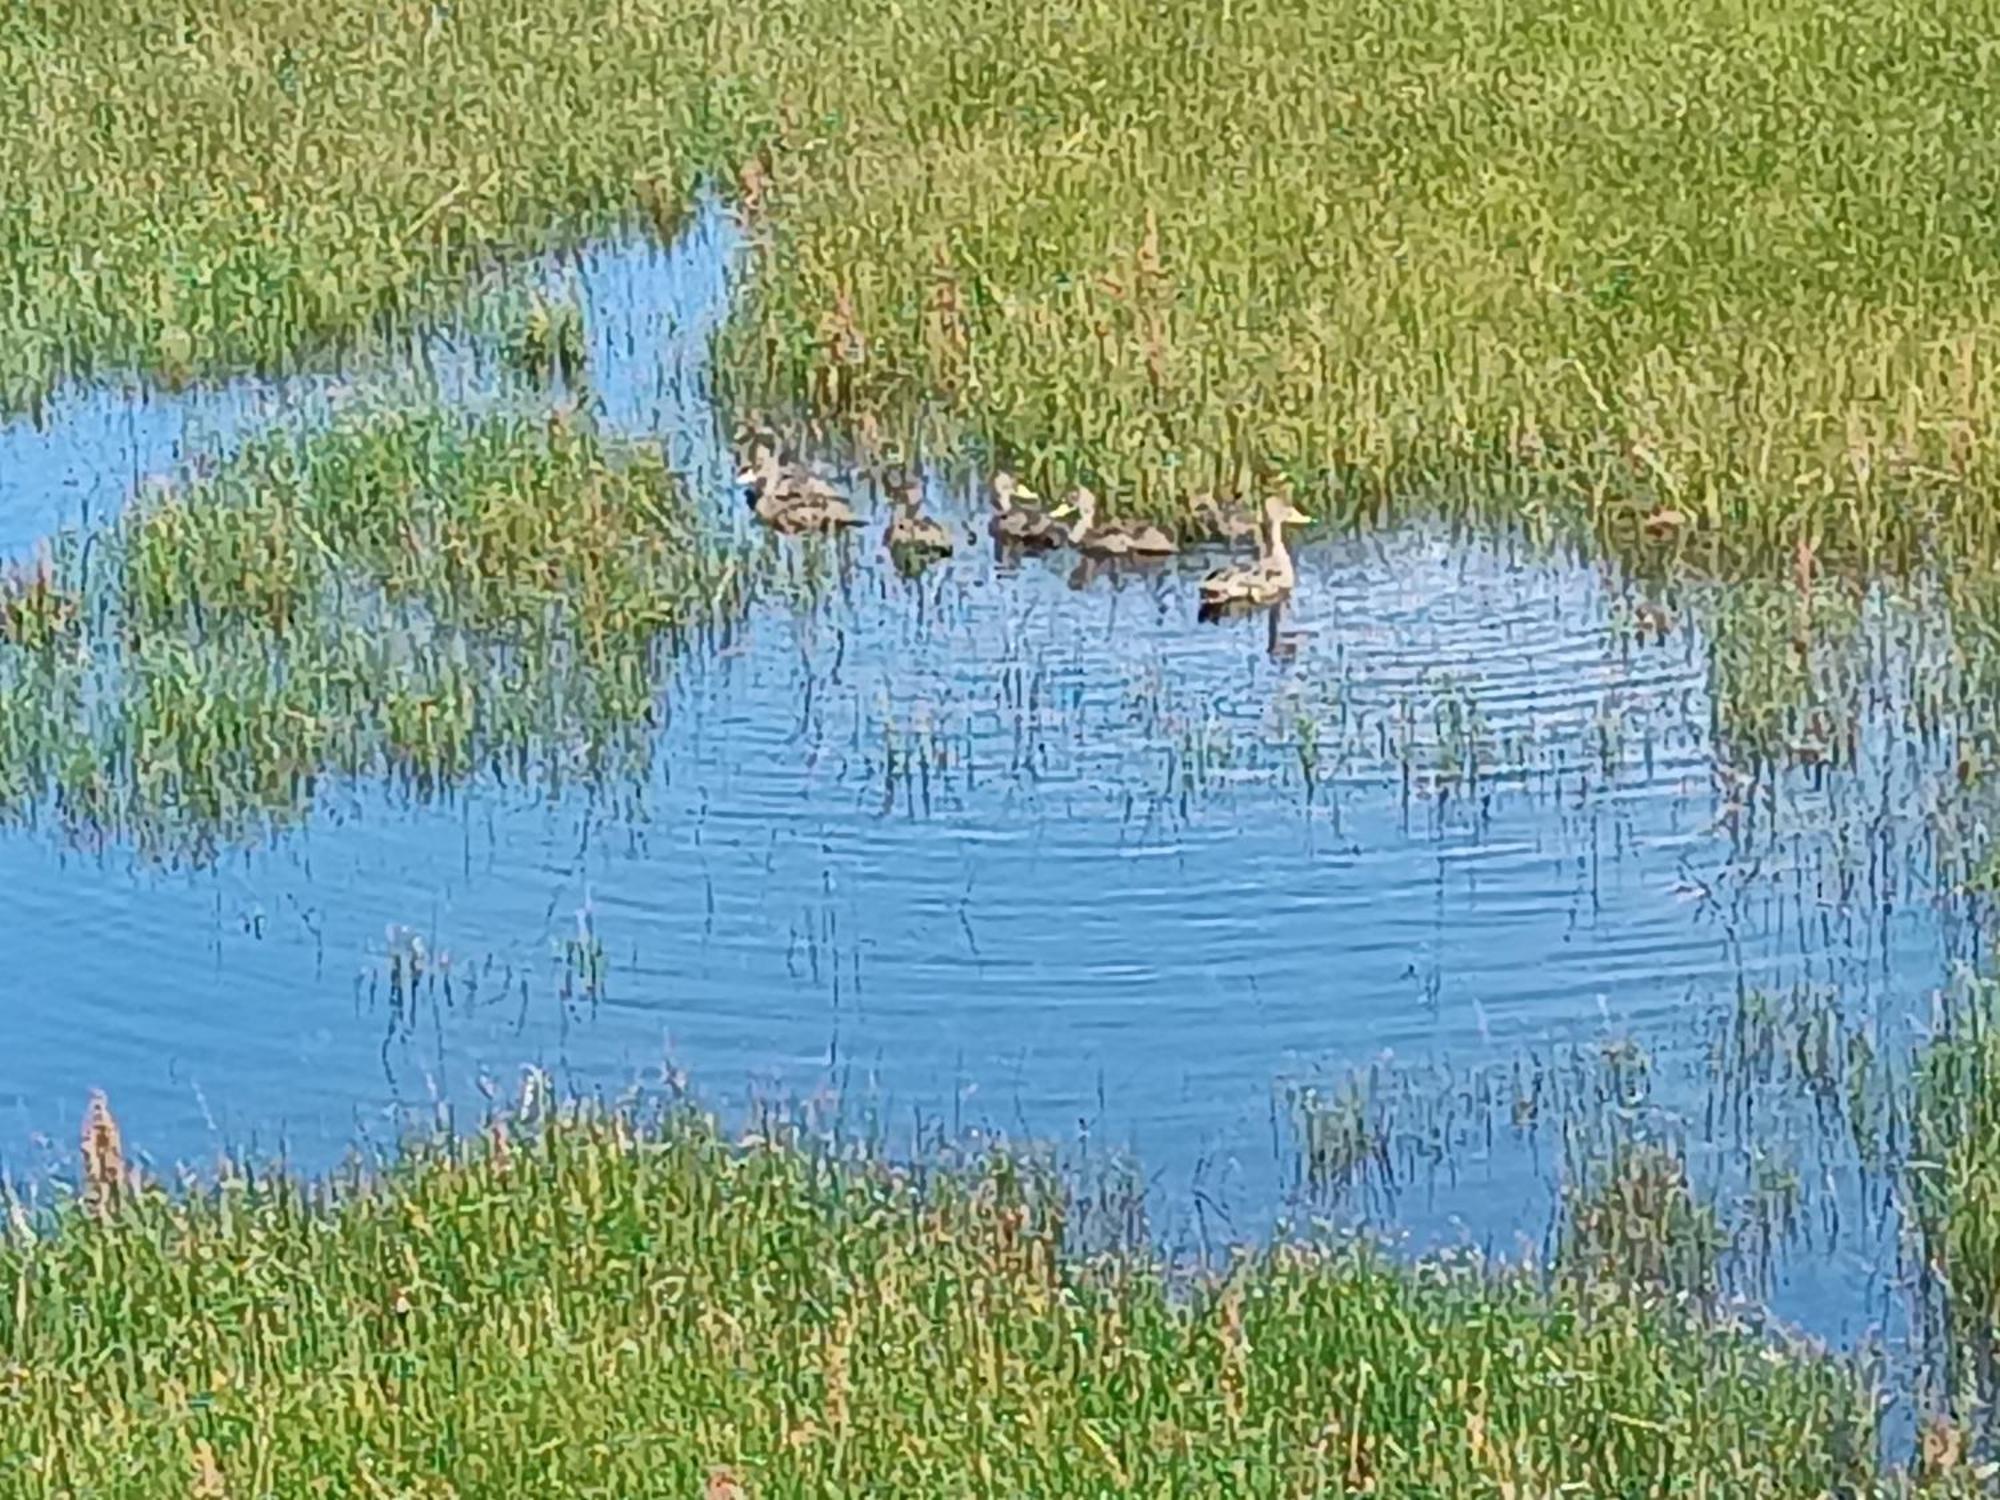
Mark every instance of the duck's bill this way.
pixel 1062 511
pixel 1297 517
pixel 1022 492
pixel 746 477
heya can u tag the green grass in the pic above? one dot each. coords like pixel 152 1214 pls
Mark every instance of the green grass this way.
pixel 1568 268
pixel 415 597
pixel 1955 1188
pixel 1571 267
pixel 1636 1219
pixel 1732 260
pixel 598 1306
pixel 195 188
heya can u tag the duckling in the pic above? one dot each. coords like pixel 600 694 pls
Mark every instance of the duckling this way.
pixel 1114 538
pixel 911 534
pixel 1270 577
pixel 1223 522
pixel 790 497
pixel 1018 525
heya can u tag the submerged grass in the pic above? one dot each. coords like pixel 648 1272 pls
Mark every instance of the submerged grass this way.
pixel 596 1304
pixel 416 596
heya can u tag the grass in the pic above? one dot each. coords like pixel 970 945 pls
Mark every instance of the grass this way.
pixel 1726 266
pixel 1955 1189
pixel 255 194
pixel 594 1304
pixel 1636 1218
pixel 550 343
pixel 1603 264
pixel 1711 286
pixel 414 597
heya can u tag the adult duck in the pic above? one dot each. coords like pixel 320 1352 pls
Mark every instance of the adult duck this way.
pixel 1017 522
pixel 1267 580
pixel 1114 538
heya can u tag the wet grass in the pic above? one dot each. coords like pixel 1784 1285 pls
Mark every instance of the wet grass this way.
pixel 413 981
pixel 549 342
pixel 1635 1219
pixel 412 597
pixel 1776 1124
pixel 1705 1177
pixel 602 1304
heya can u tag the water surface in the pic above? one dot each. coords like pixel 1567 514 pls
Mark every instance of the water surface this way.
pixel 1000 847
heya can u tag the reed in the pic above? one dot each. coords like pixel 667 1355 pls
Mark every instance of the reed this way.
pixel 609 1303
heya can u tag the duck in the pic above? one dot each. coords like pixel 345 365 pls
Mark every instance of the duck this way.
pixel 1268 579
pixel 1017 525
pixel 911 534
pixel 1220 521
pixel 790 497
pixel 1114 538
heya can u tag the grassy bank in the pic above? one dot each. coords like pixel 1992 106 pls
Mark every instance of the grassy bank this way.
pixel 1728 261
pixel 592 1307
pixel 194 188
pixel 1734 263
pixel 413 597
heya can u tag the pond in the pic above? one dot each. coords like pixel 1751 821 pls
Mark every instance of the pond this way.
pixel 1009 849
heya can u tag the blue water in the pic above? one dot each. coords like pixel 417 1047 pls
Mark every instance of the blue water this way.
pixel 985 850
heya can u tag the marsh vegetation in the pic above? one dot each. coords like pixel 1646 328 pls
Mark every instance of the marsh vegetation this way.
pixel 1660 288
pixel 574 1302
pixel 415 596
pixel 1702 295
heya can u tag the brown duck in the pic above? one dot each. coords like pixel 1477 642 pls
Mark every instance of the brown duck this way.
pixel 1114 538
pixel 789 497
pixel 1018 524
pixel 912 536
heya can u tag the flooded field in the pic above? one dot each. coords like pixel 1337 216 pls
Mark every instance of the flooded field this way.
pixel 1291 910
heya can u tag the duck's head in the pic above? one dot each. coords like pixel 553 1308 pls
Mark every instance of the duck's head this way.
pixel 1278 511
pixel 763 467
pixel 1007 490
